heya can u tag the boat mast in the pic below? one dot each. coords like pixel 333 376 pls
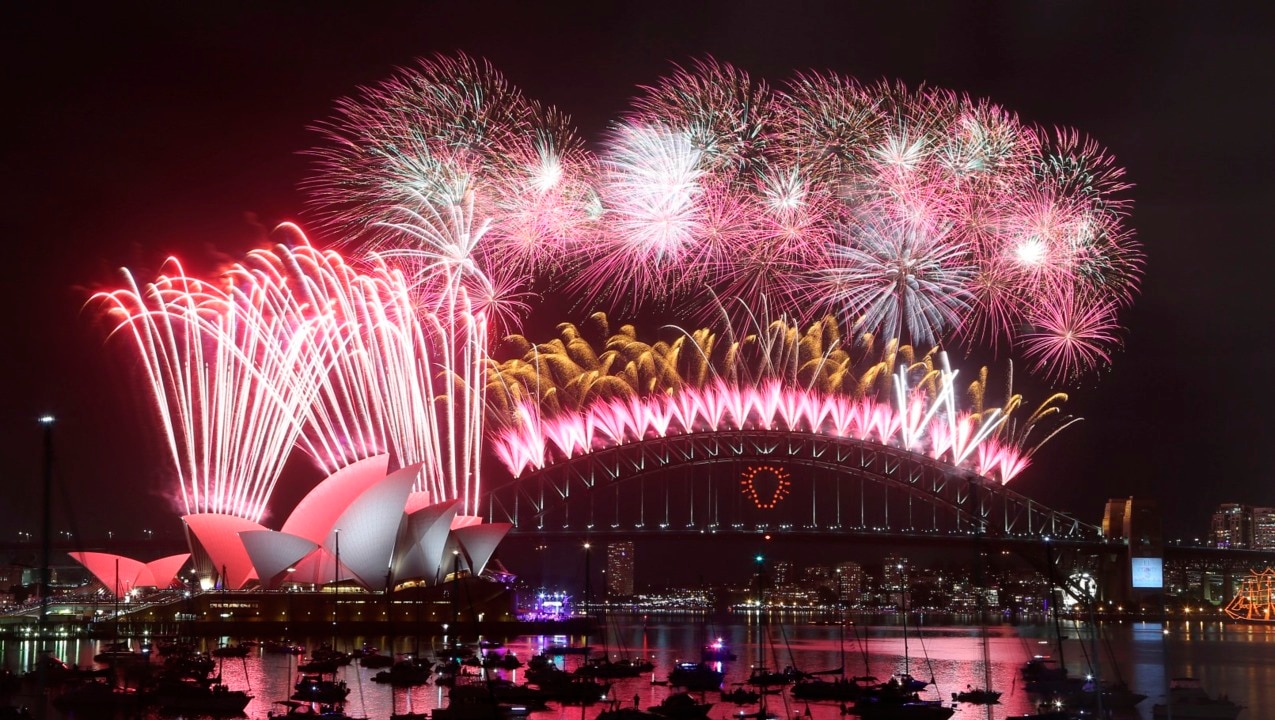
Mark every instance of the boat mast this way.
pixel 1049 564
pixel 903 605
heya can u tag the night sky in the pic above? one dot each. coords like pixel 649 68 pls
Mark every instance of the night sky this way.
pixel 133 135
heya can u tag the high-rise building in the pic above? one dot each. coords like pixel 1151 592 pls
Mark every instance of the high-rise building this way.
pixel 849 578
pixel 894 580
pixel 781 571
pixel 817 576
pixel 620 569
pixel 1264 528
pixel 1232 526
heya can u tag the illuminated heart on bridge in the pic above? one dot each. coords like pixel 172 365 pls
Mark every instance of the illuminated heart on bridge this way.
pixel 765 485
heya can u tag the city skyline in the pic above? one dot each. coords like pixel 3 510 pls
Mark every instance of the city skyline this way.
pixel 1088 459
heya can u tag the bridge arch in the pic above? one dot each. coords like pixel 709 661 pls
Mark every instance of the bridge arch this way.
pixel 769 481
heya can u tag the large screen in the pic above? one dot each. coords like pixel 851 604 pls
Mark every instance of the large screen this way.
pixel 1148 572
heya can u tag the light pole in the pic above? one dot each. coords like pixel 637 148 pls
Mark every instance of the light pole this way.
pixel 47 512
pixel 588 579
pixel 45 540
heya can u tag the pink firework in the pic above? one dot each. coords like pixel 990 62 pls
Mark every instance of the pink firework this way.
pixel 451 136
pixel 921 214
pixel 1070 334
pixel 727 116
pixel 296 348
pixel 231 375
pixel 900 278
pixel 919 422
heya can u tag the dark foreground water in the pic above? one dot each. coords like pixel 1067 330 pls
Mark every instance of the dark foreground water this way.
pixel 1230 658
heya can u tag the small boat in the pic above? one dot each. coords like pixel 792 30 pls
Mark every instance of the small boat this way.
pixel 717 651
pixel 313 688
pixel 761 677
pixel 977 696
pixel 616 711
pixel 695 676
pixel 839 689
pixel 314 665
pixel 607 668
pixel 376 660
pixel 740 696
pixel 199 698
pixel 405 673
pixel 571 689
pixel 119 653
pixel 1189 700
pixel 232 651
pixel 1042 667
pixel 1045 676
pixel 1116 696
pixel 475 702
pixel 681 706
pixel 97 697
pixel 507 693
pixel 284 647
pixel 911 684
pixel 192 666
pixel 325 659
pixel 174 647
pixel 892 701
pixel 295 709
pixel 909 710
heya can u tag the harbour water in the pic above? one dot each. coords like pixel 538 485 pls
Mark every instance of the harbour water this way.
pixel 1230 658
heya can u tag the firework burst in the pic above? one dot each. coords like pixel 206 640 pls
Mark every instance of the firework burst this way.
pixel 568 396
pixel 916 213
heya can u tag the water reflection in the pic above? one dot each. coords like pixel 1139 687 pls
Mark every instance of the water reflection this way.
pixel 1228 658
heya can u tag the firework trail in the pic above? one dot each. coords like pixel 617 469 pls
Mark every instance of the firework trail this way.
pixel 230 382
pixel 294 347
pixel 567 397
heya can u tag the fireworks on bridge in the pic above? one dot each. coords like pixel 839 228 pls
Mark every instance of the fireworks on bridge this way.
pixel 565 397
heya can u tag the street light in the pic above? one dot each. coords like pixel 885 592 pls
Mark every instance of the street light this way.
pixel 588 579
pixel 45 540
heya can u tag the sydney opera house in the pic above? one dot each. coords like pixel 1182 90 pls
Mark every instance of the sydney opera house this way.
pixel 362 526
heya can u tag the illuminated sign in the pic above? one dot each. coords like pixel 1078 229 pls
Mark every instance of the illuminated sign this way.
pixel 1148 572
pixel 749 483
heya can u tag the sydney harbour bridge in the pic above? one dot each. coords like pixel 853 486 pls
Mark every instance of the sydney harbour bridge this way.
pixel 833 492
pixel 830 491
pixel 760 481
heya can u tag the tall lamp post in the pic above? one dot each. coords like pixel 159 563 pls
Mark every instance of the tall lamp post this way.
pixel 47 529
pixel 588 579
pixel 46 532
pixel 588 592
